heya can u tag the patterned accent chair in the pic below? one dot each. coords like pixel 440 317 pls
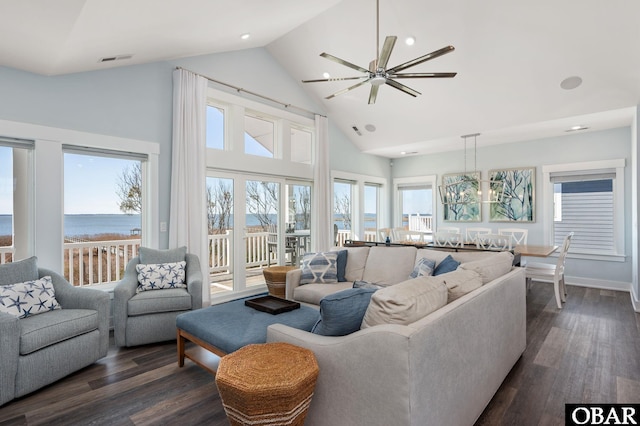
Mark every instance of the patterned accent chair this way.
pixel 48 328
pixel 142 317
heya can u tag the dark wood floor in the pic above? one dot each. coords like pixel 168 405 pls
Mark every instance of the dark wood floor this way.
pixel 587 352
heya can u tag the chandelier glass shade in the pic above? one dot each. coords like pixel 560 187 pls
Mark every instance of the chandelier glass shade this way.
pixel 469 188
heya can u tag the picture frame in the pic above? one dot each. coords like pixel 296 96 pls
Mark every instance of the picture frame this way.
pixel 518 201
pixel 467 186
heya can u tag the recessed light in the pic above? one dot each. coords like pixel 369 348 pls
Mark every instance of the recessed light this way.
pixel 576 128
pixel 326 75
pixel 245 36
pixel 410 40
pixel 571 83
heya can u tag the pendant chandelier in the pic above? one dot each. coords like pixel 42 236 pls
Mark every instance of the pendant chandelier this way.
pixel 469 188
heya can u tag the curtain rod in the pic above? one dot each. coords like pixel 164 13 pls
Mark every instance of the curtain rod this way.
pixel 249 92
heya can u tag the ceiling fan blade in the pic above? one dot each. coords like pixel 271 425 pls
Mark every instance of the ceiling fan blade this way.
pixel 373 94
pixel 334 79
pixel 421 59
pixel 389 42
pixel 402 88
pixel 424 75
pixel 343 62
pixel 340 92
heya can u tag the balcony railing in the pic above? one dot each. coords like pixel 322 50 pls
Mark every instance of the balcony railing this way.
pixel 98 262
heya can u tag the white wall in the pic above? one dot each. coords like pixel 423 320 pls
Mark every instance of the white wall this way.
pixel 577 147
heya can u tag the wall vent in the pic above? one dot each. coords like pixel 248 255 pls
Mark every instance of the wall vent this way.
pixel 355 129
pixel 115 58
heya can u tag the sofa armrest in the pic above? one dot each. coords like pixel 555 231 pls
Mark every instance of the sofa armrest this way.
pixel 358 373
pixel 124 291
pixel 10 350
pixel 194 280
pixel 292 281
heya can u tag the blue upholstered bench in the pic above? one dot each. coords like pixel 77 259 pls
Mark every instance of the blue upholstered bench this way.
pixel 225 328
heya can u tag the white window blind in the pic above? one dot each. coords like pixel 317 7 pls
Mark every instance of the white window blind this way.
pixel 584 204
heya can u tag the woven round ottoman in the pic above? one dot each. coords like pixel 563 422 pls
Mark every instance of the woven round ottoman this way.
pixel 276 279
pixel 267 384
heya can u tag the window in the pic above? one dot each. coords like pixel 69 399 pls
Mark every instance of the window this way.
pixel 259 136
pixel 414 203
pixel 103 205
pixel 215 127
pixel 301 143
pixel 587 200
pixel 342 209
pixel 371 207
pixel 15 171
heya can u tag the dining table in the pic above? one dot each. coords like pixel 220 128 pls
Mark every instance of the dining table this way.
pixel 299 239
pixel 535 250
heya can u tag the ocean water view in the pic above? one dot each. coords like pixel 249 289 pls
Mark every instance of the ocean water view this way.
pixel 88 224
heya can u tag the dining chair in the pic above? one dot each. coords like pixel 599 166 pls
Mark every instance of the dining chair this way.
pixel 272 244
pixel 546 271
pixel 472 234
pixel 407 235
pixel 447 239
pixel 493 242
pixel 519 235
pixel 383 233
pixel 454 229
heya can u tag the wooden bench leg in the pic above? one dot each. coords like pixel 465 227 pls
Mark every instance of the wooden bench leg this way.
pixel 180 339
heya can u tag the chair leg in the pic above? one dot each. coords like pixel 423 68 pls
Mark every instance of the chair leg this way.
pixel 528 283
pixel 556 288
pixel 563 290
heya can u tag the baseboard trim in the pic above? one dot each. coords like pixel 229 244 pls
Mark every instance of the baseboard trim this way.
pixel 634 300
pixel 597 283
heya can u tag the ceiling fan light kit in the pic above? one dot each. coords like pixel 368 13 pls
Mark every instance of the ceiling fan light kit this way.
pixel 378 73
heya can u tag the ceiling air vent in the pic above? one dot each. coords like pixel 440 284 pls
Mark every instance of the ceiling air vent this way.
pixel 355 129
pixel 115 58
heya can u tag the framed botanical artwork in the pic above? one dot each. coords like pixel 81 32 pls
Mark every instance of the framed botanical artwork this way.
pixel 459 194
pixel 517 204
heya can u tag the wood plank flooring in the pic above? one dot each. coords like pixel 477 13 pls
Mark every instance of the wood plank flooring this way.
pixel 587 352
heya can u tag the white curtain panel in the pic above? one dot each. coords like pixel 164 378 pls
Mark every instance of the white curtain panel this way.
pixel 322 225
pixel 187 220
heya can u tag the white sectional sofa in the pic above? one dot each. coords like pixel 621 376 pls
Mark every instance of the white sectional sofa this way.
pixel 441 369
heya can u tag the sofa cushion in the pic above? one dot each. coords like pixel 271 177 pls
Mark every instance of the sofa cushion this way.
pixel 313 293
pixel 389 265
pixel 149 255
pixel 160 276
pixel 19 271
pixel 319 268
pixel 448 264
pixel 341 313
pixel 366 284
pixel 28 298
pixel 491 267
pixel 461 282
pixel 406 302
pixel 423 267
pixel 39 331
pixel 152 302
pixel 356 261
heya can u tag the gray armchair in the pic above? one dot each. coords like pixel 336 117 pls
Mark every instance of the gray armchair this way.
pixel 150 316
pixel 40 349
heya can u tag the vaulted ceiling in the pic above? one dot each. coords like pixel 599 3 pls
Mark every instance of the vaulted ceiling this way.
pixel 510 56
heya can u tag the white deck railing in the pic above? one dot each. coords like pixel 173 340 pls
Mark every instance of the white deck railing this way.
pixel 420 223
pixel 98 262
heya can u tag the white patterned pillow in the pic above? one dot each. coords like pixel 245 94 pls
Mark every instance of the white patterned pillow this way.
pixel 423 267
pixel 159 276
pixel 28 298
pixel 319 268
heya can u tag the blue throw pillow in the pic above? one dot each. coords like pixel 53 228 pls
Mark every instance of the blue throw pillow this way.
pixel 342 264
pixel 320 268
pixel 448 264
pixel 424 267
pixel 341 313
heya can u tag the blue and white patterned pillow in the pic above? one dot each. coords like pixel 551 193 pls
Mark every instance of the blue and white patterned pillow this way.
pixel 28 298
pixel 319 268
pixel 159 276
pixel 423 267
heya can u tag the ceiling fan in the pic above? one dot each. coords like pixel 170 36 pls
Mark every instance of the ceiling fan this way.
pixel 378 73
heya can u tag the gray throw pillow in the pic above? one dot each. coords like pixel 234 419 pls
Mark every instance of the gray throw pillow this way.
pixel 150 256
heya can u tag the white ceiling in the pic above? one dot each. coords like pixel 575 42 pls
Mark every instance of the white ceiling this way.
pixel 510 57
